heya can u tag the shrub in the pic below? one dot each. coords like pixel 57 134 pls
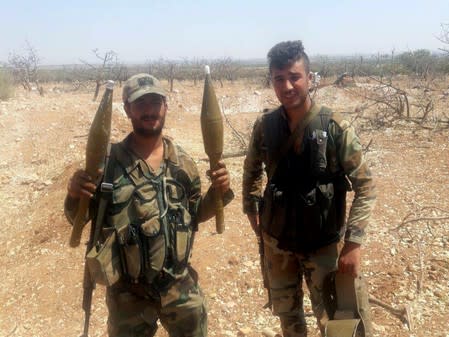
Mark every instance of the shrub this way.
pixel 6 85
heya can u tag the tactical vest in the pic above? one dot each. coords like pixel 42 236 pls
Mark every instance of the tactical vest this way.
pixel 304 201
pixel 150 215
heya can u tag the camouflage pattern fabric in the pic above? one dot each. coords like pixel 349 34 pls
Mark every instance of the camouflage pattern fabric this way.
pixel 180 166
pixel 285 271
pixel 166 288
pixel 344 153
pixel 133 312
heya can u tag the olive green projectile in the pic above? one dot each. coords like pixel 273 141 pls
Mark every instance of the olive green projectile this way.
pixel 96 150
pixel 212 130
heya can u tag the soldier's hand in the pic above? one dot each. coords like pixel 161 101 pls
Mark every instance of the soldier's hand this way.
pixel 81 184
pixel 220 178
pixel 349 261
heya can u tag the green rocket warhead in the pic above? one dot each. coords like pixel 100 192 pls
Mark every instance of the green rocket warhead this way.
pixel 212 129
pixel 96 150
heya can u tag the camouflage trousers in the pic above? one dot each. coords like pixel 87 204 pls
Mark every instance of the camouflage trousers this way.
pixel 286 271
pixel 133 312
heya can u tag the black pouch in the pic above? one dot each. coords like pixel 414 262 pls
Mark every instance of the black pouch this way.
pixel 131 246
pixel 273 212
pixel 318 146
pixel 318 219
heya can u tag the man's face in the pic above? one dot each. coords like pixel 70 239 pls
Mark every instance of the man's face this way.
pixel 147 114
pixel 291 84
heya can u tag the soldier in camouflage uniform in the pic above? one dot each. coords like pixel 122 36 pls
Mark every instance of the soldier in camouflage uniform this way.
pixel 155 207
pixel 300 217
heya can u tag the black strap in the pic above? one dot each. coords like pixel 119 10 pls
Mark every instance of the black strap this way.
pixel 105 193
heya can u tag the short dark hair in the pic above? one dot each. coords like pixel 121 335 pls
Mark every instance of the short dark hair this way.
pixel 286 53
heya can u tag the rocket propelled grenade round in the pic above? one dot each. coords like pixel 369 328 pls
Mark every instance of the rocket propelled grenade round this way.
pixel 96 151
pixel 212 130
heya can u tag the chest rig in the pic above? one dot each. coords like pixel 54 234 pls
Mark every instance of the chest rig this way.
pixel 150 214
pixel 304 200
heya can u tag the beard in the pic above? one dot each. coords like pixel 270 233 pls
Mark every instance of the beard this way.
pixel 148 132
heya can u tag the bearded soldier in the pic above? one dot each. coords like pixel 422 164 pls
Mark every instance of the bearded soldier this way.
pixel 154 206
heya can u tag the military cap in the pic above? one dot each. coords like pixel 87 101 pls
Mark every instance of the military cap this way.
pixel 141 84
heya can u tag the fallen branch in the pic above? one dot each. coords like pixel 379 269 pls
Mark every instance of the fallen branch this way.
pixel 404 222
pixel 366 149
pixel 403 313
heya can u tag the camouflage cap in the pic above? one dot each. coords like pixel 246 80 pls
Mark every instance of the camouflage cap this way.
pixel 141 84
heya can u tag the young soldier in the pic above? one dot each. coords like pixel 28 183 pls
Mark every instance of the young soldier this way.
pixel 311 157
pixel 155 207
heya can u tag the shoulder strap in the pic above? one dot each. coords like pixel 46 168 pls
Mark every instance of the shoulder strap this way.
pixel 322 123
pixel 105 192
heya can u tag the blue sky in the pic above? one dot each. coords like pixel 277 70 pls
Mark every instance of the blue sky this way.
pixel 63 32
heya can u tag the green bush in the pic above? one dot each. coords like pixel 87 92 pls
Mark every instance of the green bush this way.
pixel 6 86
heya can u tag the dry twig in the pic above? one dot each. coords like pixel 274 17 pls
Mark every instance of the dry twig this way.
pixel 403 313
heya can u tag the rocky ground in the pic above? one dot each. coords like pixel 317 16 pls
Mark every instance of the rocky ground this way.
pixel 405 258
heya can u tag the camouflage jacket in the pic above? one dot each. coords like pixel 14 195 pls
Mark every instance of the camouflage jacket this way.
pixel 165 207
pixel 344 154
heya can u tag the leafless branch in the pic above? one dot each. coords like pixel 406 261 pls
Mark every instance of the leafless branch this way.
pixel 403 313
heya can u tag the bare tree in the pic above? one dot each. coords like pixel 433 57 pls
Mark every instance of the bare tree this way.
pixel 25 68
pixel 225 69
pixel 165 69
pixel 444 37
pixel 194 69
pixel 108 69
pixel 391 101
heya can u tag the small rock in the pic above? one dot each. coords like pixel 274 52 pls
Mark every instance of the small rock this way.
pixel 438 293
pixel 233 261
pixel 245 331
pixel 412 268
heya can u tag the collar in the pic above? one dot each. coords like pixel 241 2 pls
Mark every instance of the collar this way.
pixel 129 160
pixel 314 108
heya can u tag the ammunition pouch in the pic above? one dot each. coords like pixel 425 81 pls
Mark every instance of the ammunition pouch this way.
pixel 157 245
pixel 272 211
pixel 318 146
pixel 303 222
pixel 130 251
pixel 153 249
pixel 103 261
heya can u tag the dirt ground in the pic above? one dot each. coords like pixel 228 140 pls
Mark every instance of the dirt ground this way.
pixel 405 257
